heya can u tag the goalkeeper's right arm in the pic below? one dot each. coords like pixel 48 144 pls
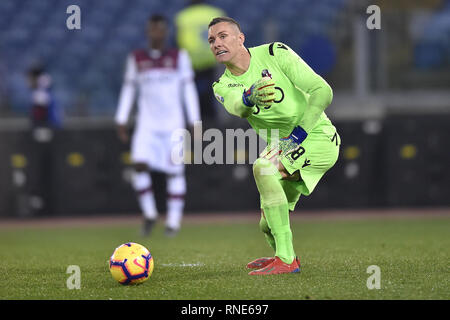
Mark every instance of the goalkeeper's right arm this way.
pixel 261 93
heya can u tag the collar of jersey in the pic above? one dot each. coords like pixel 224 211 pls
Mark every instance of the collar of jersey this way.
pixel 229 74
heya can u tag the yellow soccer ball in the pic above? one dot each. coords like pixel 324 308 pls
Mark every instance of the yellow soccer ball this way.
pixel 131 263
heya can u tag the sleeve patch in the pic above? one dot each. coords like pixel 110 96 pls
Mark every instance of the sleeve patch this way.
pixel 219 98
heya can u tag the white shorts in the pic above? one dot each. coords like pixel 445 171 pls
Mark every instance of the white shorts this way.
pixel 155 149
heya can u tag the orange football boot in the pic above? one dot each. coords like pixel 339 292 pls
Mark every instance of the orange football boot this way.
pixel 260 263
pixel 277 266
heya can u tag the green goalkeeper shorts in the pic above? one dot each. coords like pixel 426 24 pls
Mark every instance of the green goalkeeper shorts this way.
pixel 316 155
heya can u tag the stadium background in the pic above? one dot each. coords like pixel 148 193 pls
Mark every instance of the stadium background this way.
pixel 391 103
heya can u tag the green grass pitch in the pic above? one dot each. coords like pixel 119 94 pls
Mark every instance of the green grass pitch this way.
pixel 207 260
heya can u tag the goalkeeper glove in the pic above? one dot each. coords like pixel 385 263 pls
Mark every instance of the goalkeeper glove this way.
pixel 285 146
pixel 261 93
pixel 292 142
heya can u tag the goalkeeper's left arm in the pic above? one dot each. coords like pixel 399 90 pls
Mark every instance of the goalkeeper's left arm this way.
pixel 304 78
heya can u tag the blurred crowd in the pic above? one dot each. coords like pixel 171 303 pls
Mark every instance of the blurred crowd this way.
pixel 86 65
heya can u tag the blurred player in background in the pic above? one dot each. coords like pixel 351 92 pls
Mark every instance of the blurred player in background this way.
pixel 163 80
pixel 192 35
pixel 44 110
pixel 276 90
pixel 46 117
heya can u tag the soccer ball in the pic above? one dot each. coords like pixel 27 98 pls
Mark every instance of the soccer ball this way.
pixel 131 263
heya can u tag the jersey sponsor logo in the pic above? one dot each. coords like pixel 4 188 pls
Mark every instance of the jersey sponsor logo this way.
pixel 282 95
pixel 168 62
pixel 148 77
pixel 144 60
pixel 234 85
pixel 258 109
pixel 145 64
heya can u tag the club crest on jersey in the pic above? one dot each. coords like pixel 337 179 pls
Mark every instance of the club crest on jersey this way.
pixel 266 73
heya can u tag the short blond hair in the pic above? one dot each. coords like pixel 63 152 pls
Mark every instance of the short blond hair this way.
pixel 224 19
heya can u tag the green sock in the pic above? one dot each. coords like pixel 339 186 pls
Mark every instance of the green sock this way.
pixel 267 233
pixel 275 206
pixel 278 221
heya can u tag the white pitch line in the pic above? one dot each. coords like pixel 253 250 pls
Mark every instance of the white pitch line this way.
pixel 198 264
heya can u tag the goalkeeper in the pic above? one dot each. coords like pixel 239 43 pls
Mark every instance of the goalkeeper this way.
pixel 279 94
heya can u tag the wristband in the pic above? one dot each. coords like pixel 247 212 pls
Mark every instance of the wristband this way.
pixel 245 96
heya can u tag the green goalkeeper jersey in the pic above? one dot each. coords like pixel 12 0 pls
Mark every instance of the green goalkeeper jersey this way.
pixel 301 94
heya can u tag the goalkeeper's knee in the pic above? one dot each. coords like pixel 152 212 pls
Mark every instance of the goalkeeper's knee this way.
pixel 263 168
pixel 267 178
